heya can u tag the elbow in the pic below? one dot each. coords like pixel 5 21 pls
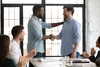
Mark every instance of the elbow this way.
pixel 39 37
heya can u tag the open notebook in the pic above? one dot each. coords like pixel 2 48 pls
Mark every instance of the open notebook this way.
pixel 74 65
pixel 81 61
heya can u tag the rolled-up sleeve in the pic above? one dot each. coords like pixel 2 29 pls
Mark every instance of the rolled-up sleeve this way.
pixel 60 34
pixel 77 32
pixel 46 25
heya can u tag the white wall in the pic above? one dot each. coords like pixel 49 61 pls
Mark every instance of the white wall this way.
pixel 92 22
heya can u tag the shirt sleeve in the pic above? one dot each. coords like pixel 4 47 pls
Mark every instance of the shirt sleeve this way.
pixel 77 32
pixel 60 34
pixel 35 29
pixel 92 58
pixel 97 62
pixel 46 25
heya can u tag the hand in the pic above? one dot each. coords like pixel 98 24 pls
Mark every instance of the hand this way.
pixel 93 51
pixel 32 53
pixel 73 55
pixel 86 55
pixel 22 61
pixel 52 37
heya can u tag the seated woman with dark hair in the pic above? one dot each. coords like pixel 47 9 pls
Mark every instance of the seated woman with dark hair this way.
pixel 4 51
pixel 5 46
pixel 92 57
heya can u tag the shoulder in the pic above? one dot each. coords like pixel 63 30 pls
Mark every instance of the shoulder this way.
pixel 97 62
pixel 14 45
pixel 76 23
pixel 9 60
pixel 31 20
pixel 9 63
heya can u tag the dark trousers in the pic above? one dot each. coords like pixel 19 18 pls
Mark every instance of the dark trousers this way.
pixel 77 55
pixel 38 55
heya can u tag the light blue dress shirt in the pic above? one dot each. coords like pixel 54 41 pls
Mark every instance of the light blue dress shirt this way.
pixel 70 33
pixel 35 35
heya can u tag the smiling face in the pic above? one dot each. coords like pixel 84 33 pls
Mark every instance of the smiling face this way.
pixel 66 13
pixel 41 13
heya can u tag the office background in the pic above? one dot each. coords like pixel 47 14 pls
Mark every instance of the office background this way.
pixel 91 21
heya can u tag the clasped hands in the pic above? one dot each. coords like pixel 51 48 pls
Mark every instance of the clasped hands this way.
pixel 51 37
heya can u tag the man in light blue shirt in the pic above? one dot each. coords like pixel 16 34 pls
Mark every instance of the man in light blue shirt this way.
pixel 70 34
pixel 35 35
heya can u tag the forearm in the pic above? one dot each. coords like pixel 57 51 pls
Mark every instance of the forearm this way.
pixel 75 48
pixel 57 37
pixel 56 24
pixel 46 37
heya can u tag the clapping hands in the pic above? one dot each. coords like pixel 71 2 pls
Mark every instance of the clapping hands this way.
pixel 93 51
pixel 23 60
pixel 32 53
pixel 85 54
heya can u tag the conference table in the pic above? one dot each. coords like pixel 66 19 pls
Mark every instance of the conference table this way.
pixel 57 62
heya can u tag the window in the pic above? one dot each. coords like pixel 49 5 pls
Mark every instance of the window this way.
pixel 17 12
pixel 64 2
pixel 11 18
pixel 27 12
pixel 21 1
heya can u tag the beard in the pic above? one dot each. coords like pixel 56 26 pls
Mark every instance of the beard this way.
pixel 41 16
pixel 65 17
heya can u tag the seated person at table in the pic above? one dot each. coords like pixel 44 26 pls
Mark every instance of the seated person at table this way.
pixel 97 62
pixel 15 51
pixel 92 57
pixel 5 46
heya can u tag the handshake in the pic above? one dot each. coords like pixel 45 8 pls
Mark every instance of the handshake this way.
pixel 51 37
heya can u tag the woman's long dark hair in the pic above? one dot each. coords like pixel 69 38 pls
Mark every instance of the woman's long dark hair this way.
pixel 4 48
pixel 99 39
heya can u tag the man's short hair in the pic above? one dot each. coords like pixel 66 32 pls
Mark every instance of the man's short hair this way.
pixel 69 8
pixel 16 30
pixel 37 8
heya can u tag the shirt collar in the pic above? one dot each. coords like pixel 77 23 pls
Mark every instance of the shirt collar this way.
pixel 35 17
pixel 16 43
pixel 70 19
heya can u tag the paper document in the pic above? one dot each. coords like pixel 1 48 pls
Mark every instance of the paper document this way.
pixel 47 60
